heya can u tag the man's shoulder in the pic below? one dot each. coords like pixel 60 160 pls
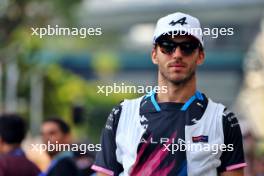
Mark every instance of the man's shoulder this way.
pixel 212 100
pixel 211 103
pixel 7 162
pixel 116 110
pixel 229 118
pixel 114 115
pixel 226 110
pixel 137 99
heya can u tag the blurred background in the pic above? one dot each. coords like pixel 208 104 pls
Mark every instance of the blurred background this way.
pixel 59 75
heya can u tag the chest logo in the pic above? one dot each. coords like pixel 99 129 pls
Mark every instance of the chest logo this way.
pixel 144 122
pixel 200 138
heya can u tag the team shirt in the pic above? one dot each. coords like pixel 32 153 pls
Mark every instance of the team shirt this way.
pixel 165 123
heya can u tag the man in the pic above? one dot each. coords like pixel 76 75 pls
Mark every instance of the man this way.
pixel 56 132
pixel 180 132
pixel 13 161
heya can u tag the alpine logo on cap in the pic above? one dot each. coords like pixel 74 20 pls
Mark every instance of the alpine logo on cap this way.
pixel 181 21
pixel 201 138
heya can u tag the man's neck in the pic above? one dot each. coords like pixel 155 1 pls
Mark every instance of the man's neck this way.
pixel 7 148
pixel 177 93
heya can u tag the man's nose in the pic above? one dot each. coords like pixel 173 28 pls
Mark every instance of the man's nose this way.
pixel 177 53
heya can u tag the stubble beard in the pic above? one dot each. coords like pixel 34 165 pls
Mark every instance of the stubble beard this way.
pixel 179 82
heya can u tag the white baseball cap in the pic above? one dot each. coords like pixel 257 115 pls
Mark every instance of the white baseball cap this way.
pixel 178 24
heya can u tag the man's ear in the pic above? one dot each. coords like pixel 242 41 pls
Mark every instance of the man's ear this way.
pixel 154 55
pixel 201 57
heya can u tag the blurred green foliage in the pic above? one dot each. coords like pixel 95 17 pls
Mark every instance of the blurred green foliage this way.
pixel 62 89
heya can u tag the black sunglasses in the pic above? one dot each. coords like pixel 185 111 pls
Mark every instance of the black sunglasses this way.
pixel 169 47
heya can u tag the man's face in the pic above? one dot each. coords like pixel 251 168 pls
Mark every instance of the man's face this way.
pixel 51 133
pixel 177 67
